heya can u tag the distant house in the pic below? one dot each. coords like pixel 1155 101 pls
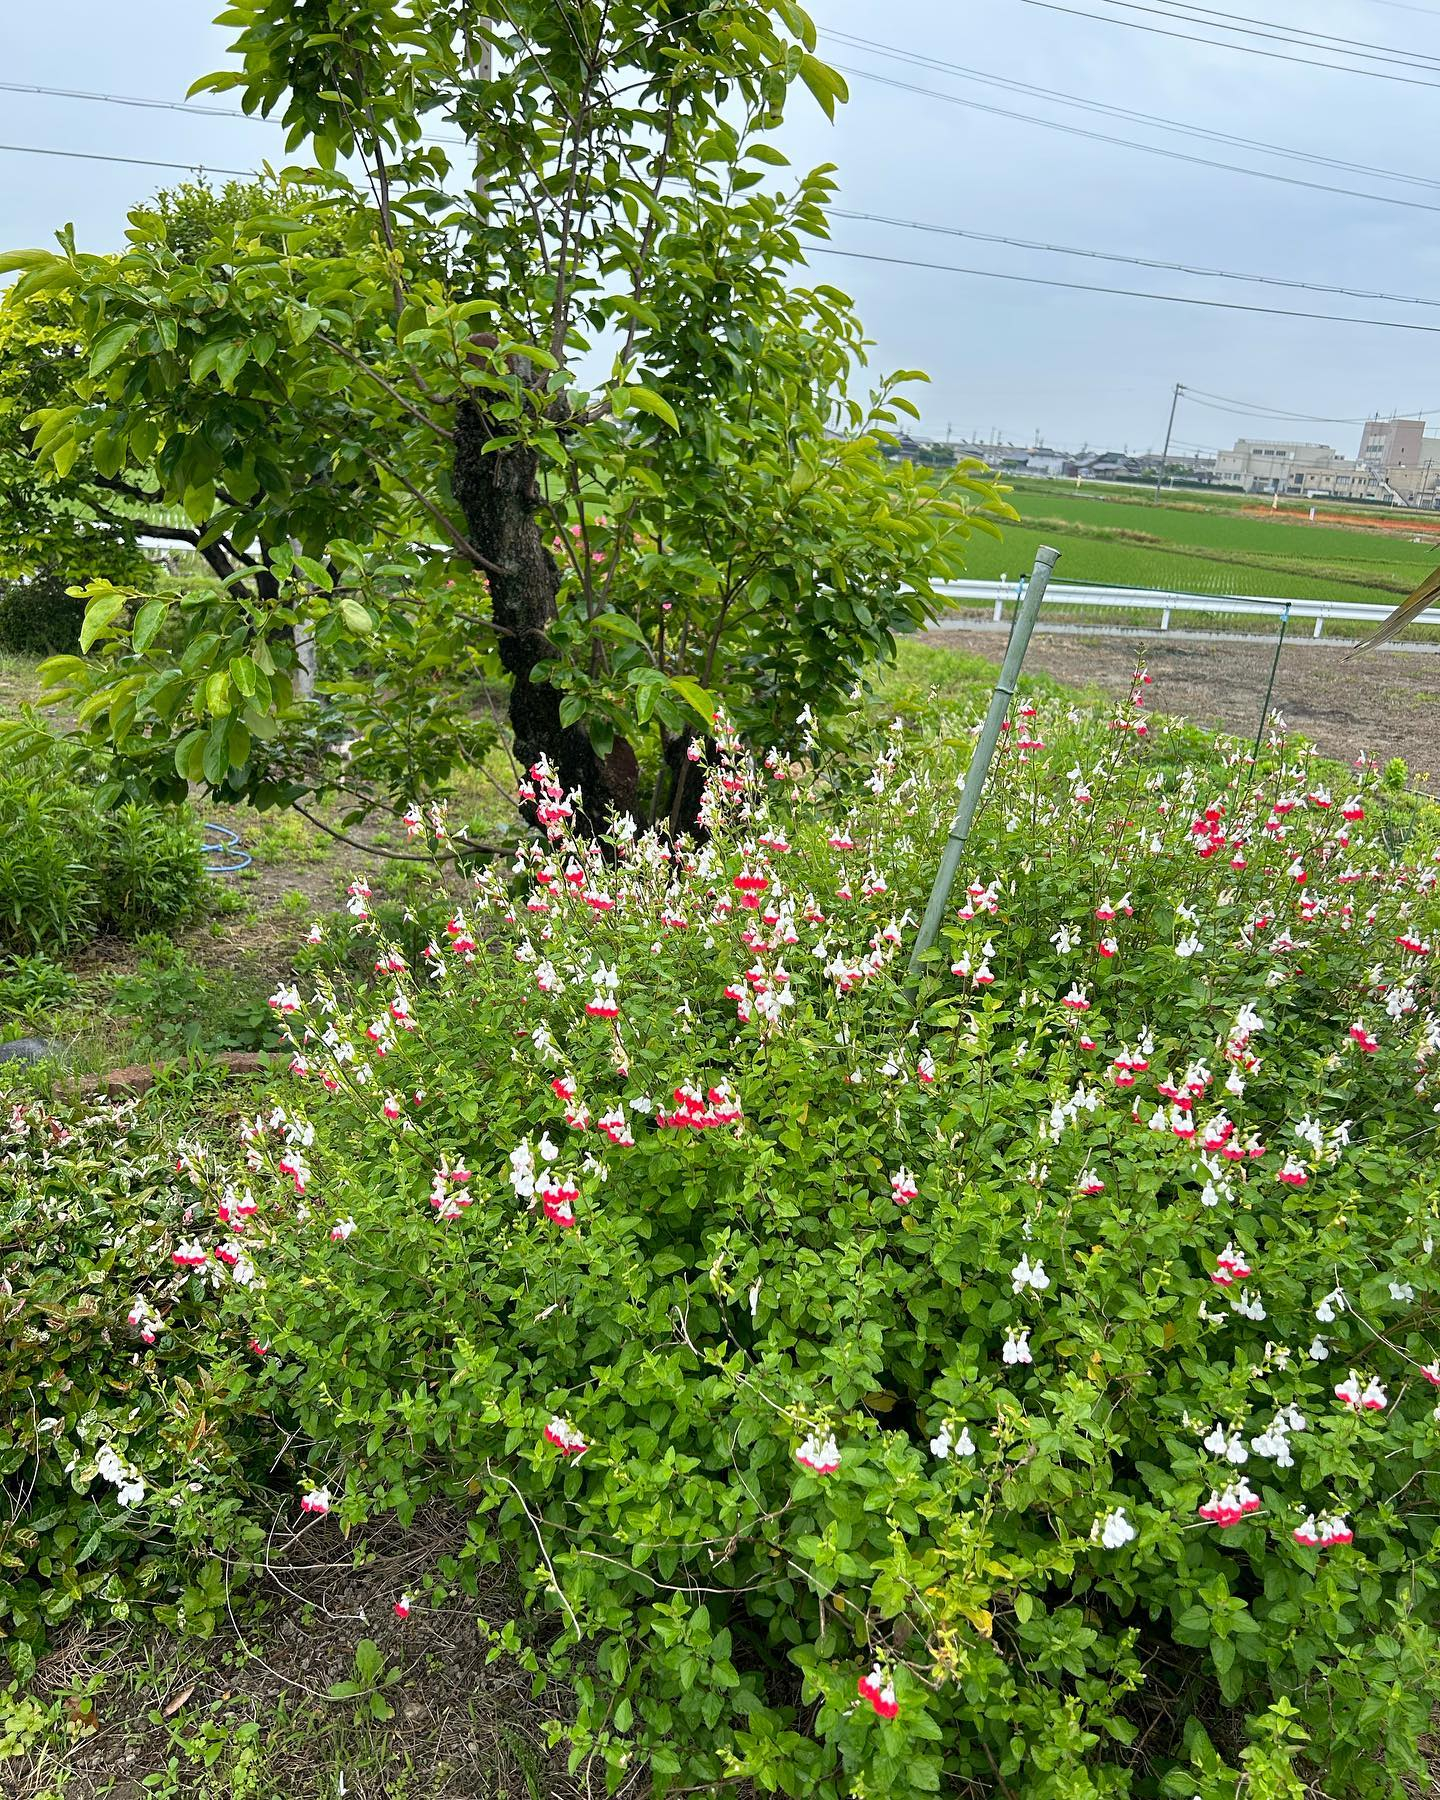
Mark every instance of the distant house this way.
pixel 1108 465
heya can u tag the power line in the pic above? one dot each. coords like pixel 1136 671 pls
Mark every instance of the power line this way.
pixel 1223 402
pixel 181 106
pixel 1191 13
pixel 1102 137
pixel 1218 44
pixel 1138 262
pixel 1087 287
pixel 1151 120
pixel 141 162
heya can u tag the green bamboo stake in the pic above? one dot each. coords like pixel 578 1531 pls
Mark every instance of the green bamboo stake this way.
pixel 1045 560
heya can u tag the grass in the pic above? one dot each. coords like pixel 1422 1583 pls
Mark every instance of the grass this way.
pixel 1208 544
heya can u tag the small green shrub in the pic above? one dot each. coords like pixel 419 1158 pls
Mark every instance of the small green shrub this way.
pixel 149 868
pixel 182 1008
pixel 48 895
pixel 38 617
pixel 32 987
pixel 915 1335
pixel 69 870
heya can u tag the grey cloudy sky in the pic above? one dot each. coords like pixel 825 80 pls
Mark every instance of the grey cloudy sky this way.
pixel 1076 367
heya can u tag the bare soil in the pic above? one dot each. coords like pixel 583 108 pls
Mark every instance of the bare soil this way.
pixel 1379 703
pixel 1384 523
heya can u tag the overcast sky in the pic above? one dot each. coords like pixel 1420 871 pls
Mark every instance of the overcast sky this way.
pixel 1073 367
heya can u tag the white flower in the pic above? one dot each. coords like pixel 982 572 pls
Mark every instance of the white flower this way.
pixel 1319 1350
pixel 129 1482
pixel 1115 1530
pixel 1402 1291
pixel 1188 946
pixel 1016 1347
pixel 1025 1274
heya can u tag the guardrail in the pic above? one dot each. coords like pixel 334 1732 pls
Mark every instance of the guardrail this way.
pixel 1167 601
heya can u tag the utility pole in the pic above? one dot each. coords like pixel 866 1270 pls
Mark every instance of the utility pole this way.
pixel 481 57
pixel 1160 472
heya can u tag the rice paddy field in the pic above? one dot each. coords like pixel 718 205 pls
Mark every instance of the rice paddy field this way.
pixel 1213 543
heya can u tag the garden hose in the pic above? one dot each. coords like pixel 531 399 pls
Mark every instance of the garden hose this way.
pixel 223 843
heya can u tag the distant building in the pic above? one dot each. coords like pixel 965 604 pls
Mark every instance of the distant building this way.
pixel 1107 465
pixel 1390 444
pixel 1411 476
pixel 1268 466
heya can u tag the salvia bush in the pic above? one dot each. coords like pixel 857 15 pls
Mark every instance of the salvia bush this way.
pixel 112 1458
pixel 1021 1384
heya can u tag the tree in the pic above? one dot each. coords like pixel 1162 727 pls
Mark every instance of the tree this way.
pixel 550 404
pixel 50 522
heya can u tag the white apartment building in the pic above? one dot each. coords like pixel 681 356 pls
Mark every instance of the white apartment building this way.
pixel 1267 466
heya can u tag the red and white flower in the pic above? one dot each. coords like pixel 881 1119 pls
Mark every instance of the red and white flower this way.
pixel 563 1435
pixel 879 1690
pixel 902 1186
pixel 820 1455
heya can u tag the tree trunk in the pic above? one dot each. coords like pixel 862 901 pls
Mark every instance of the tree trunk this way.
pixel 499 497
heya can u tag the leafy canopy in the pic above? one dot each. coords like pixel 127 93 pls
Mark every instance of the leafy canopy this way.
pixel 512 378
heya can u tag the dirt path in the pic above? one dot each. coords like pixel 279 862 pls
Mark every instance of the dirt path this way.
pixel 1383 702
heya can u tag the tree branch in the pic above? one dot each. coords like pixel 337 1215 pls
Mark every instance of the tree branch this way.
pixel 447 525
pixel 389 855
pixel 442 431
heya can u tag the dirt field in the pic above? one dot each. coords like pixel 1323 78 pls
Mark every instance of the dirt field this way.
pixel 1406 526
pixel 1384 702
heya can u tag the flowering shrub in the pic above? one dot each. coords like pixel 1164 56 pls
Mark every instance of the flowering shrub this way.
pixel 111 1418
pixel 1027 1384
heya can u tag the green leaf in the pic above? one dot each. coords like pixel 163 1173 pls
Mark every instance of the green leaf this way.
pixel 184 750
pixel 647 400
pixel 217 692
pixel 696 697
pixel 825 83
pixel 231 359
pixel 108 346
pixel 10 260
pixel 357 617
pixel 98 614
pixel 615 624
pixel 215 762
pixel 147 622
